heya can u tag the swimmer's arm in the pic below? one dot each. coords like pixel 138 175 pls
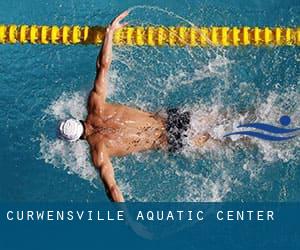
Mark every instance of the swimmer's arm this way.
pixel 105 56
pixel 103 64
pixel 103 164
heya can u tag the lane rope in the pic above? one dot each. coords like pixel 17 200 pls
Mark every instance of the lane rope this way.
pixel 152 35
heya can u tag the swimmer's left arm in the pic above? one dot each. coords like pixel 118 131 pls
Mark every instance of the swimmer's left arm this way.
pixel 105 56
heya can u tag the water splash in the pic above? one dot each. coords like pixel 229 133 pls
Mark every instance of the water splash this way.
pixel 215 85
pixel 192 185
pixel 74 158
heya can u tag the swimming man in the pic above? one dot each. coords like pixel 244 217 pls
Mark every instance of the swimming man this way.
pixel 117 130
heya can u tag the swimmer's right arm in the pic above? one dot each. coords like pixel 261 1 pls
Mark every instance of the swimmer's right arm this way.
pixel 103 164
pixel 105 56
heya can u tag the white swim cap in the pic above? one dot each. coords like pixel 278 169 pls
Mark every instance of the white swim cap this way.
pixel 70 130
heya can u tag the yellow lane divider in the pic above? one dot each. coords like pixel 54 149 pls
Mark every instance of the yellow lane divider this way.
pixel 152 35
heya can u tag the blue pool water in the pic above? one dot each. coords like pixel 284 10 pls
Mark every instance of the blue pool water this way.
pixel 42 84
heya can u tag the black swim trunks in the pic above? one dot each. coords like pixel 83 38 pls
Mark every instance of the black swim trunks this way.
pixel 177 125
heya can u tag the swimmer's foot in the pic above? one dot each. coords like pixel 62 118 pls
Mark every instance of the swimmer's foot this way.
pixel 200 140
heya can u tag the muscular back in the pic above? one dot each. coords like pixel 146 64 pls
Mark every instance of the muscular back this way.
pixel 123 129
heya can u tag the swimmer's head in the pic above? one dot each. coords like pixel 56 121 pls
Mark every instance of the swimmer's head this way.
pixel 70 130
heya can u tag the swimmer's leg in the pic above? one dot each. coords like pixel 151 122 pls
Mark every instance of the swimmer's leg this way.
pixel 200 140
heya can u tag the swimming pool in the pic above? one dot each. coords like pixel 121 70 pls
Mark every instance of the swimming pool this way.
pixel 42 84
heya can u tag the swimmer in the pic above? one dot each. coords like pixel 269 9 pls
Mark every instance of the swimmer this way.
pixel 114 130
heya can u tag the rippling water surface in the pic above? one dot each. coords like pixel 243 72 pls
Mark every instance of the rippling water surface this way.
pixel 42 84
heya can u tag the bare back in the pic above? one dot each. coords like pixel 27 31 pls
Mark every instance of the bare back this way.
pixel 123 129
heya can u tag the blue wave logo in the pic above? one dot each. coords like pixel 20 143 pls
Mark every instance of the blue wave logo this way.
pixel 279 133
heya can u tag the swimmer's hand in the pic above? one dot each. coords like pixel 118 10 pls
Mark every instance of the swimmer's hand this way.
pixel 115 24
